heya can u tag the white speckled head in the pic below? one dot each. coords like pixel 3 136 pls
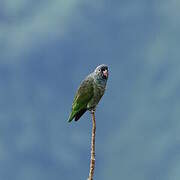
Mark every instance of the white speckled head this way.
pixel 102 71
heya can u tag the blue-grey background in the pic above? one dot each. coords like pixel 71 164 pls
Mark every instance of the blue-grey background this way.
pixel 48 47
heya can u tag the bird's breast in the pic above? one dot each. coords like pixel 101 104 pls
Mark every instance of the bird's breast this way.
pixel 98 93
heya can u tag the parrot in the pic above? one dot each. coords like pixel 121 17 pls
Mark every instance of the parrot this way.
pixel 89 93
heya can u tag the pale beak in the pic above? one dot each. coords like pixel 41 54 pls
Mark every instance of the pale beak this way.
pixel 105 73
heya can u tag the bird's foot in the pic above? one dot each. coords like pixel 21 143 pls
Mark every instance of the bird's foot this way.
pixel 92 111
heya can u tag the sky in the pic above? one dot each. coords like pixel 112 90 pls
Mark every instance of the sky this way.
pixel 48 47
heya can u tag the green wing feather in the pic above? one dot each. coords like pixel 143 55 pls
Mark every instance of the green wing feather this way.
pixel 82 97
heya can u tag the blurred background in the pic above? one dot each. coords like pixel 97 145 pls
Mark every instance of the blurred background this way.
pixel 46 50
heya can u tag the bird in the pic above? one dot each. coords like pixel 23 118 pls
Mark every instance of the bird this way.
pixel 90 92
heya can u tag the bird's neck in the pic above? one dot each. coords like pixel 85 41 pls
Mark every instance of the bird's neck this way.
pixel 100 81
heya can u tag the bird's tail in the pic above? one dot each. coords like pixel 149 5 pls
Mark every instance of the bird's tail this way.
pixel 80 113
pixel 76 115
pixel 71 117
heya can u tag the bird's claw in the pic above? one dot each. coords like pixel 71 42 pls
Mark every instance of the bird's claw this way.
pixel 92 111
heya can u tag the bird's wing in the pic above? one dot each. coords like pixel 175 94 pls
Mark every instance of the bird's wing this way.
pixel 82 97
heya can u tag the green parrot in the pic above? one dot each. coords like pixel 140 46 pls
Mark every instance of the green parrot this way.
pixel 89 92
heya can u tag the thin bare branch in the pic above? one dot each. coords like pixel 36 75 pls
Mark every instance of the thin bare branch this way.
pixel 92 163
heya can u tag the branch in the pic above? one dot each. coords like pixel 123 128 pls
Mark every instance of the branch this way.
pixel 92 163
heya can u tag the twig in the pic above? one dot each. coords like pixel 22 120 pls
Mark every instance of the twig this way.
pixel 92 163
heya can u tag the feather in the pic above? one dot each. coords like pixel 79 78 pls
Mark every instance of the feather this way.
pixel 79 114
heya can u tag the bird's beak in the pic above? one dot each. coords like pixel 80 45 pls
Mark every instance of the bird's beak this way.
pixel 105 73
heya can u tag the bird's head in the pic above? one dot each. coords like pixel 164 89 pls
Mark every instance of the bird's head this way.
pixel 102 71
